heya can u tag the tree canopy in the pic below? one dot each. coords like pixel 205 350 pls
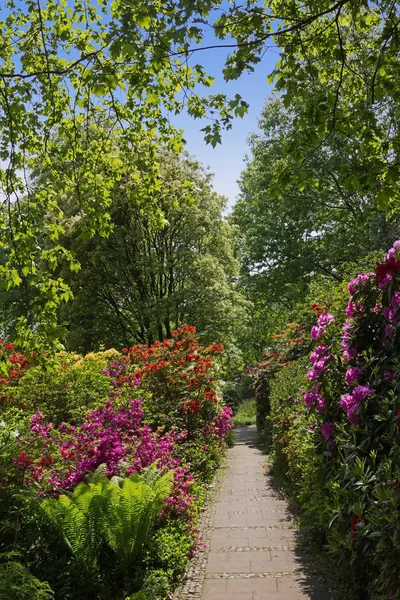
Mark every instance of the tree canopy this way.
pixel 144 280
pixel 74 66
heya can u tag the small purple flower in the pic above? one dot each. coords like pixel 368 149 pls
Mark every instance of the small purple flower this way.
pixel 319 351
pixel 317 332
pixel 394 249
pixel 351 308
pixel 362 280
pixel 347 401
pixel 314 400
pixel 361 392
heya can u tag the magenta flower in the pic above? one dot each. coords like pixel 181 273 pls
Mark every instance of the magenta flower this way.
pixel 359 281
pixel 361 392
pixel 394 249
pixel 327 429
pixel 353 375
pixel 317 332
pixel 314 400
pixel 325 318
pixel 351 308
pixel 319 351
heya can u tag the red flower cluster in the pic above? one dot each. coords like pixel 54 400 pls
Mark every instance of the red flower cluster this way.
pixel 178 373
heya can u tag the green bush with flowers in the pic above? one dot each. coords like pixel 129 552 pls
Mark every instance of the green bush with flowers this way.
pixel 77 433
pixel 336 432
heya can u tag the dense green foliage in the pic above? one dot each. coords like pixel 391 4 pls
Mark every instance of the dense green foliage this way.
pixel 111 236
pixel 333 429
pixel 104 463
pixel 290 234
pixel 139 283
pixel 245 413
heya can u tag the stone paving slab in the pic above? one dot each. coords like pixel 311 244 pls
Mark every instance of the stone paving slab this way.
pixel 252 546
pixel 251 539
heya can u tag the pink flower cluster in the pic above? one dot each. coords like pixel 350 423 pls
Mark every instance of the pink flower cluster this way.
pixel 323 321
pixel 223 423
pixel 111 436
pixel 319 357
pixel 351 402
pixel 313 399
pixel 349 351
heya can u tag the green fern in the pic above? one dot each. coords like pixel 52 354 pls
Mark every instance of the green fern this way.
pixel 116 512
pixel 131 514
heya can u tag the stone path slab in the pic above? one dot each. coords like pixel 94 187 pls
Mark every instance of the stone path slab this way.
pixel 253 554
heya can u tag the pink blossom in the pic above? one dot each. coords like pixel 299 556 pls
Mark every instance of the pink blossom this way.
pixel 351 308
pixel 317 332
pixel 359 281
pixel 314 400
pixel 319 351
pixel 327 429
pixel 325 318
pixel 361 392
pixel 353 375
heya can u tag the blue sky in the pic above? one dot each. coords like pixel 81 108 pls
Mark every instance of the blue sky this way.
pixel 226 160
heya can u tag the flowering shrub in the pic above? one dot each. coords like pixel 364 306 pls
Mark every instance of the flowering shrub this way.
pixel 179 374
pixel 62 389
pixel 336 435
pixel 157 404
pixel 287 346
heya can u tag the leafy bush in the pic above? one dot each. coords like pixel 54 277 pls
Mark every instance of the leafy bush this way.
pixel 179 374
pixel 17 583
pixel 339 448
pixel 64 389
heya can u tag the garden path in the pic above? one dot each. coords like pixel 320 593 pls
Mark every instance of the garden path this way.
pixel 253 552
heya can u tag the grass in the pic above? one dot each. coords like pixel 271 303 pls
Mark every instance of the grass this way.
pixel 245 413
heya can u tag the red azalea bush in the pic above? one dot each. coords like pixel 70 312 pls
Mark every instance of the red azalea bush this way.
pixel 180 375
pixel 339 437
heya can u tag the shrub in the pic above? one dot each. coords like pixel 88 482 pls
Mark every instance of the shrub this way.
pixel 65 417
pixel 179 374
pixel 340 448
pixel 64 389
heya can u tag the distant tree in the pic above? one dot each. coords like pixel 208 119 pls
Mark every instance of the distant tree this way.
pixel 290 233
pixel 147 278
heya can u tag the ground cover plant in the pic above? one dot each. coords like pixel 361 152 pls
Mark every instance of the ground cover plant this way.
pixel 104 460
pixel 334 418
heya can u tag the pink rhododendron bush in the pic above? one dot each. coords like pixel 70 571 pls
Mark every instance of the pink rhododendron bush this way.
pixel 335 425
pixel 144 427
